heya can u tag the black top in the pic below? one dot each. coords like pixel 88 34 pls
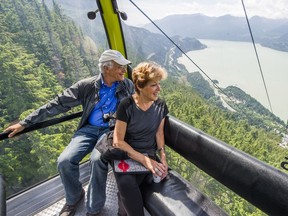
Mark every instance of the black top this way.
pixel 141 125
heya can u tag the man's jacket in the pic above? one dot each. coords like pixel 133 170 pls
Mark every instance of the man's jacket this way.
pixel 85 92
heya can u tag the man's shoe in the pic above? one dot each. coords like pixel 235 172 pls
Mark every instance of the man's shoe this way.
pixel 69 210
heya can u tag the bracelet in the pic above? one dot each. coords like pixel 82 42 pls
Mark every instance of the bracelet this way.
pixel 160 149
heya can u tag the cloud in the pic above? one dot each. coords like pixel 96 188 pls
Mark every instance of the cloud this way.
pixel 159 9
pixel 270 9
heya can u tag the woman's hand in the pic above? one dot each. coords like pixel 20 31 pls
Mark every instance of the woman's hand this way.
pixel 165 173
pixel 155 167
pixel 164 162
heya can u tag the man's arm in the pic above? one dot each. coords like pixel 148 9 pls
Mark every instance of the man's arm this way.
pixel 16 128
pixel 62 103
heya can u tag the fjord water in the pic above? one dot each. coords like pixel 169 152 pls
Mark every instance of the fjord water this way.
pixel 235 63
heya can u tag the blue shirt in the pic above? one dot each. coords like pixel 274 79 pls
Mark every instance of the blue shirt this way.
pixel 106 104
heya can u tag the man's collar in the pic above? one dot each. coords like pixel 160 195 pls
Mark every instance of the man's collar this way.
pixel 102 79
pixel 104 84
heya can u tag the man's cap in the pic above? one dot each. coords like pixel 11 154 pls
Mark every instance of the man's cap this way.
pixel 114 55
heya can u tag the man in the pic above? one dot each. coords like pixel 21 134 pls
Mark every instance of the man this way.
pixel 98 95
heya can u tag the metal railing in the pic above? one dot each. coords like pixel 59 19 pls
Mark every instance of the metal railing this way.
pixel 44 124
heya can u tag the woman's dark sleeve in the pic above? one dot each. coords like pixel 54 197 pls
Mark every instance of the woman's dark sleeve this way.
pixel 121 113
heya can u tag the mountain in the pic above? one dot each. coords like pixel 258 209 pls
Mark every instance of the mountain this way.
pixel 143 44
pixel 271 33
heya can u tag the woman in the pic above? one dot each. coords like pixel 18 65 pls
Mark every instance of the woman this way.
pixel 139 129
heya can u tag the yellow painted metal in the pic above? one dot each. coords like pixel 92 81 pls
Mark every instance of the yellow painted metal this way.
pixel 112 26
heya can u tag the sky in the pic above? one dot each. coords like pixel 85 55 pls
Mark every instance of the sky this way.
pixel 157 9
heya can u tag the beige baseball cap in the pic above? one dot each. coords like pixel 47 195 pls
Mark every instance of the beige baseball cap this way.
pixel 114 55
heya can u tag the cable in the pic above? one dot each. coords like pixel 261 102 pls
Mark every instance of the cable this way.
pixel 214 83
pixel 257 55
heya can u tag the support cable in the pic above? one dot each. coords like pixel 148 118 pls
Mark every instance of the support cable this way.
pixel 214 83
pixel 258 60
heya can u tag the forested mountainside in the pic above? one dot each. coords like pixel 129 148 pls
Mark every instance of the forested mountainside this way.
pixel 50 37
pixel 156 47
pixel 236 101
pixel 42 51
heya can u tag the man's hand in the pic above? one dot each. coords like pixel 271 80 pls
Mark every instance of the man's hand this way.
pixel 16 128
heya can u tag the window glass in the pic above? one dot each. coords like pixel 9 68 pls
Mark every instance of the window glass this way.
pixel 214 79
pixel 46 46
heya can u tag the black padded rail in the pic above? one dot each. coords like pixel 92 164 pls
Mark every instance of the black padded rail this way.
pixel 44 124
pixel 175 196
pixel 260 184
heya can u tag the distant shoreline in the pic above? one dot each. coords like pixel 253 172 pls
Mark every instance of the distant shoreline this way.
pixel 235 63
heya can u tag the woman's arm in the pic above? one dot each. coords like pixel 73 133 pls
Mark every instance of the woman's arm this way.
pixel 118 142
pixel 161 147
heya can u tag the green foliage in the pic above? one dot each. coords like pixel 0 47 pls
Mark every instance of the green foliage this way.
pixel 200 84
pixel 185 104
pixel 40 50
pixel 22 81
pixel 52 38
pixel 251 109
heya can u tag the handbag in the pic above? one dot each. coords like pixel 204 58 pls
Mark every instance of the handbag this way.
pixel 129 166
pixel 105 142
pixel 120 160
